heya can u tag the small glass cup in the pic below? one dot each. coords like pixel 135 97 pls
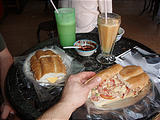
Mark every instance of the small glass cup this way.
pixel 66 25
pixel 108 30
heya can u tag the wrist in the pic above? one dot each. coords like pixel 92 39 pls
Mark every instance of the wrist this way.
pixel 68 105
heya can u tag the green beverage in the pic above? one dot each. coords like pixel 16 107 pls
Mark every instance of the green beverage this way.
pixel 66 26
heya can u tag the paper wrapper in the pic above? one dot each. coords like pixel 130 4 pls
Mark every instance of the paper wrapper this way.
pixel 43 88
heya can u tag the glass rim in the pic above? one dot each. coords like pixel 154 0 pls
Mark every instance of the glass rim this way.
pixel 66 10
pixel 110 14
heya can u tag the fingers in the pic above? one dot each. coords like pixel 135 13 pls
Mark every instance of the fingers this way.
pixel 86 75
pixel 93 83
pixel 83 76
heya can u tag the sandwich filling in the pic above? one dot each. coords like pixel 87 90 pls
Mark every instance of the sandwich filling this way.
pixel 112 88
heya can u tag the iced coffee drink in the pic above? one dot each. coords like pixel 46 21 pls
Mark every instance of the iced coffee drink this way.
pixel 108 30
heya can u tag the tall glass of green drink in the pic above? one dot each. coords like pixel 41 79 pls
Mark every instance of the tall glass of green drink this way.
pixel 66 25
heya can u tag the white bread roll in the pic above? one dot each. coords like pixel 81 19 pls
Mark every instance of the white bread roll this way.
pixel 47 66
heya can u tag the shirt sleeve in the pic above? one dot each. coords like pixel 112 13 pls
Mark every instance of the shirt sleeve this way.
pixel 2 43
pixel 102 6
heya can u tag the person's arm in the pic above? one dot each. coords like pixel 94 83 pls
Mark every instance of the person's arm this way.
pixel 74 95
pixel 60 111
pixel 6 61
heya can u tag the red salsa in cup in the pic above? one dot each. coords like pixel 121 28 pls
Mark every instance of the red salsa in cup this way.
pixel 90 46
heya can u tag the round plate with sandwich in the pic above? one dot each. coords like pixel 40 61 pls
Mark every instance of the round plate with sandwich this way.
pixel 120 87
pixel 45 66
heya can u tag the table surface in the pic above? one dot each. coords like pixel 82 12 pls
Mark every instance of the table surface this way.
pixel 21 92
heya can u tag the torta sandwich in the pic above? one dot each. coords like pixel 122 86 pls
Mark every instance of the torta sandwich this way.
pixel 118 83
pixel 47 66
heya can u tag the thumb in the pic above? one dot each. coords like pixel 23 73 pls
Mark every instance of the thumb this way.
pixel 93 83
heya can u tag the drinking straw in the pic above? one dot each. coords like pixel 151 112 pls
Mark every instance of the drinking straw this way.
pixel 105 10
pixel 54 6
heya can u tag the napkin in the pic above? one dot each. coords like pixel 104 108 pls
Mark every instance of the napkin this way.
pixel 153 70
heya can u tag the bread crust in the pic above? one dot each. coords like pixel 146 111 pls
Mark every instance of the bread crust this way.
pixel 130 71
pixel 138 82
pixel 109 72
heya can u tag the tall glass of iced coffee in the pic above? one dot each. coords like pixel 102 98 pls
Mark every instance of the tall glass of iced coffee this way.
pixel 108 30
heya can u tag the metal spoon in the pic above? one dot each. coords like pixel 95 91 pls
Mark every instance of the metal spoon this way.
pixel 67 47
pixel 80 46
pixel 77 46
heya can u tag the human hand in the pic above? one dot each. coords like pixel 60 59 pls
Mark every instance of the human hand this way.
pixel 76 92
pixel 6 109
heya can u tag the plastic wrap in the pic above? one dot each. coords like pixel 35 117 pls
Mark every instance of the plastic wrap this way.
pixel 43 89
